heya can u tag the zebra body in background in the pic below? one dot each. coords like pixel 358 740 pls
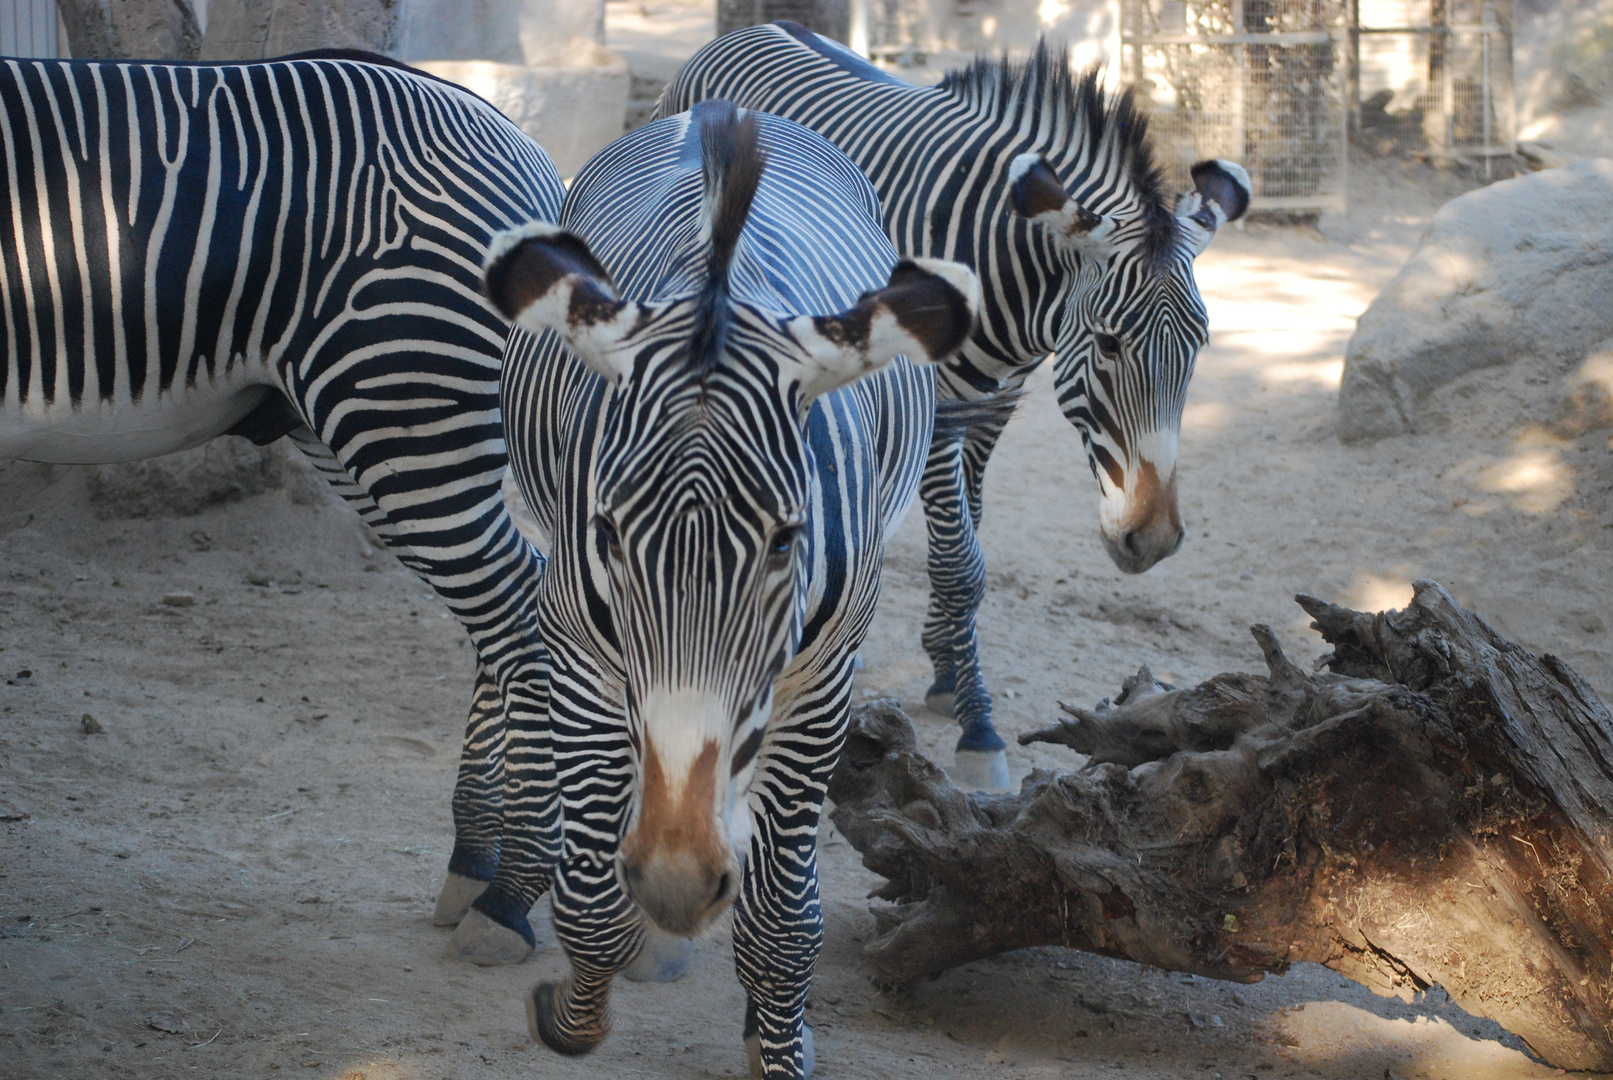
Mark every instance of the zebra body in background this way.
pixel 291 247
pixel 717 477
pixel 1030 176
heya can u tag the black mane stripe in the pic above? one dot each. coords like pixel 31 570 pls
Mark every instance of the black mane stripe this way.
pixel 1071 111
pixel 732 162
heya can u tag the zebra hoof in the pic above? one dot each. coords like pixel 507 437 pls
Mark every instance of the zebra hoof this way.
pixel 663 959
pixel 455 899
pixel 542 1011
pixel 809 1057
pixel 485 943
pixel 982 770
pixel 939 701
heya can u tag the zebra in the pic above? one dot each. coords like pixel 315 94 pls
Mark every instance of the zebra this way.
pixel 293 247
pixel 1047 188
pixel 716 476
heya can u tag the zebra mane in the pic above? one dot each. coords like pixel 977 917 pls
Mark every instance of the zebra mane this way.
pixel 731 162
pixel 1073 120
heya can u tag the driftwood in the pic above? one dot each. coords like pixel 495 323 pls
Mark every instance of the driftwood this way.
pixel 1435 807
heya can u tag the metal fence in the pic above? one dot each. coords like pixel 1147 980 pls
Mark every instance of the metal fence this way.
pixel 1435 77
pixel 29 28
pixel 1261 82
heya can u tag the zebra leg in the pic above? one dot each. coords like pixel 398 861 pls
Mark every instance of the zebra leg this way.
pixel 600 929
pixel 957 585
pixel 778 920
pixel 474 558
pixel 478 805
pixel 496 930
pixel 478 792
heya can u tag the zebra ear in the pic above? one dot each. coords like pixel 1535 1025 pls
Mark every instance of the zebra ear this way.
pixel 926 312
pixel 1220 194
pixel 1038 196
pixel 543 278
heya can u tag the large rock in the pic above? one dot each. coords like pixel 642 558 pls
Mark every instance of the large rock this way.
pixel 1520 270
pixel 258 29
pixel 131 29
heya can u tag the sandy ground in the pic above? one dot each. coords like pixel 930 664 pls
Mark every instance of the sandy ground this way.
pixel 249 852
pixel 235 876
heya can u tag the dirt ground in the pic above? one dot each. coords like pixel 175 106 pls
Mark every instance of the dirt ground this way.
pixel 235 876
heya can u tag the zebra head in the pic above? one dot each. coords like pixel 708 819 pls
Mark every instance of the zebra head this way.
pixel 1133 321
pixel 703 502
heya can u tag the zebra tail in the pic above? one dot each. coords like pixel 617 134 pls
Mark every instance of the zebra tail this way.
pixel 956 418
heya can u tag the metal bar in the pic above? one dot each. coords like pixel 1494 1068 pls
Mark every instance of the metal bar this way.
pixel 1484 102
pixel 1293 37
pixel 1440 30
pixel 1297 202
pixel 1240 122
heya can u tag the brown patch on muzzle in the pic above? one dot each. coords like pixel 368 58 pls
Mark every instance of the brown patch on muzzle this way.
pixel 1152 526
pixel 675 860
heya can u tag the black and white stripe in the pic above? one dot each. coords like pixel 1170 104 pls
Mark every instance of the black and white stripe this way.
pixel 718 505
pixel 289 247
pixel 1046 187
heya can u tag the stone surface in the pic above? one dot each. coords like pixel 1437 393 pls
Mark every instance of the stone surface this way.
pixel 570 111
pixel 220 471
pixel 131 29
pixel 1519 270
pixel 256 29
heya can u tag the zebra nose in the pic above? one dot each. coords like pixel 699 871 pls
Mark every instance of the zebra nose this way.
pixel 678 896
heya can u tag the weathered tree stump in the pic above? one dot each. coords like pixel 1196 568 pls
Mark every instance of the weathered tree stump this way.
pixel 1436 806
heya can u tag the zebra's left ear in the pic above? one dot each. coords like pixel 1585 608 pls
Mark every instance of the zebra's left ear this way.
pixel 543 278
pixel 1037 195
pixel 1220 194
pixel 926 312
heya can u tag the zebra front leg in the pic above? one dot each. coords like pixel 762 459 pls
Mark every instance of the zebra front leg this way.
pixel 602 932
pixel 778 931
pixel 957 585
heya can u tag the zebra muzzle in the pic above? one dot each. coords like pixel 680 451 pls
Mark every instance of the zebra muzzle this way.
pixel 676 862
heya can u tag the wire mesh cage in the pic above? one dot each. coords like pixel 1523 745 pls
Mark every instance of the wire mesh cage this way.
pixel 1260 82
pixel 1435 76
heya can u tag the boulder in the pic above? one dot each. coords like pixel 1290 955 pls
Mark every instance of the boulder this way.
pixel 1519 270
pixel 258 29
pixel 131 29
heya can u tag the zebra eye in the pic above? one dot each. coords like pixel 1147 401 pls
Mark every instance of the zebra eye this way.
pixel 613 542
pixel 1108 344
pixel 782 545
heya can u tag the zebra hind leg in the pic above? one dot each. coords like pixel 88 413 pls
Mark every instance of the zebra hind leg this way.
pixel 663 958
pixel 477 800
pixel 478 805
pixel 496 930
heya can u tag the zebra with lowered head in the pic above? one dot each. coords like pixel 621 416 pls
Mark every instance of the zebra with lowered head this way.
pixel 294 247
pixel 717 461
pixel 1047 188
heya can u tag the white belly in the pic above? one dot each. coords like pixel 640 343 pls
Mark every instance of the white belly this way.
pixel 100 432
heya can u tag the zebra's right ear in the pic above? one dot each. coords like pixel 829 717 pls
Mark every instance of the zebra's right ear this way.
pixel 926 312
pixel 1038 196
pixel 541 277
